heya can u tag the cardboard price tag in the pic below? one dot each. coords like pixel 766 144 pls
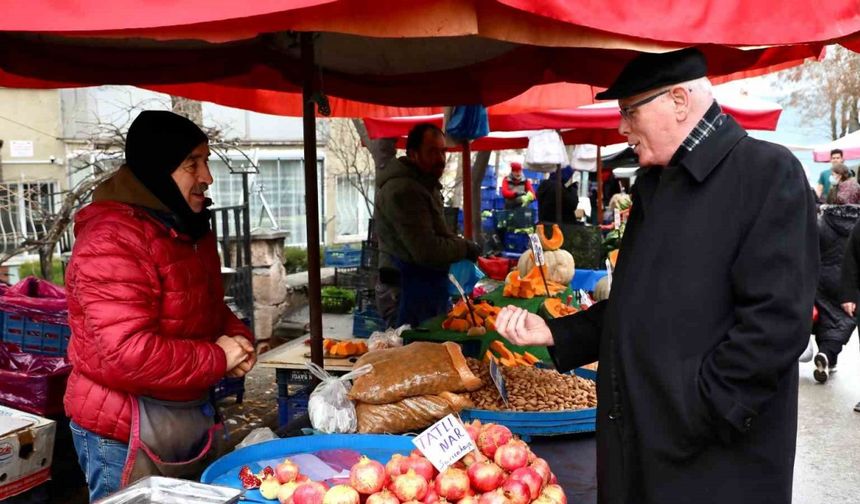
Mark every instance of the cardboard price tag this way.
pixel 498 380
pixel 537 249
pixel 445 442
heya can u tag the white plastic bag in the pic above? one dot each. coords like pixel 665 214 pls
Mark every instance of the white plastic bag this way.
pixel 258 435
pixel 546 150
pixel 389 338
pixel 329 408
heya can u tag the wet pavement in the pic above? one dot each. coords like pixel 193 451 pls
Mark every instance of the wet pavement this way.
pixel 827 467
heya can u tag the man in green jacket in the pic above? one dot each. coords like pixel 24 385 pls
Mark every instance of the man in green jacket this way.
pixel 416 245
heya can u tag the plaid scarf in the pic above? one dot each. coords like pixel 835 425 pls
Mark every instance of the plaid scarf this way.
pixel 710 122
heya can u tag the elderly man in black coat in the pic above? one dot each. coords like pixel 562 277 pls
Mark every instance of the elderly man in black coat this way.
pixel 710 307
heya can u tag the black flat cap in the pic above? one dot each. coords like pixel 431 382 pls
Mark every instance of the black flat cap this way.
pixel 649 71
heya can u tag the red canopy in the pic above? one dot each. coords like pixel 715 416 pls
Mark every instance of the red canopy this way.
pixel 468 71
pixel 596 23
pixel 750 113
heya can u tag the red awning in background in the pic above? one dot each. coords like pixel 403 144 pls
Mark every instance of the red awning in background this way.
pixel 750 113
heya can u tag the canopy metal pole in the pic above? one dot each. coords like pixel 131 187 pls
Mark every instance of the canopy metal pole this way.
pixel 599 188
pixel 558 192
pixel 312 199
pixel 467 191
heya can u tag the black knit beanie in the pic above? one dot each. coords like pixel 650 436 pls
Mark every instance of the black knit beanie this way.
pixel 156 144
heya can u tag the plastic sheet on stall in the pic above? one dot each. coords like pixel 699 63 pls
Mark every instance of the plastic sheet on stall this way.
pixel 37 299
pixel 421 368
pixel 33 383
pixel 409 415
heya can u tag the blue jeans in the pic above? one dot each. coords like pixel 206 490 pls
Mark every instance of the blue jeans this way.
pixel 101 459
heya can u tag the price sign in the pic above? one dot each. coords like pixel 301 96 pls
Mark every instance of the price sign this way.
pixel 498 380
pixel 537 249
pixel 445 442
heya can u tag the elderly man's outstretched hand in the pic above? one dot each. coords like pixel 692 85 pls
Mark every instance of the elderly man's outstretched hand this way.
pixel 523 328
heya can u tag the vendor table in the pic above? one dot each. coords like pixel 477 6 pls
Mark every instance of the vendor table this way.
pixel 293 378
pixel 475 346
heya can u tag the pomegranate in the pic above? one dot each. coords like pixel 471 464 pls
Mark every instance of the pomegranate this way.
pixel 494 497
pixel 473 457
pixel 541 466
pixel 532 456
pixel 301 478
pixel 474 429
pixel 410 486
pixel 249 480
pixel 554 493
pixel 367 476
pixel 393 467
pixel 531 478
pixel 552 479
pixel 286 471
pixel 266 472
pixel 453 484
pixel 512 455
pixel 310 492
pixel 485 476
pixel 383 497
pixel 469 499
pixel 285 493
pixel 341 494
pixel 517 491
pixel 432 497
pixel 493 436
pixel 420 465
pixel 269 488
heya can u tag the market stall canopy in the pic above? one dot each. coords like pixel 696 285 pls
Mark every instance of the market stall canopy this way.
pixel 750 112
pixel 417 72
pixel 597 23
pixel 849 144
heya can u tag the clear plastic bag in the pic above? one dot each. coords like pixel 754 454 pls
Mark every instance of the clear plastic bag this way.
pixel 258 435
pixel 329 407
pixel 389 338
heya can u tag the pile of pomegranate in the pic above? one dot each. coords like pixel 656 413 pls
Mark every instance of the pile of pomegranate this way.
pixel 502 471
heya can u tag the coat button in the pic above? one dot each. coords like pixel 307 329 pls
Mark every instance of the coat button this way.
pixel 748 422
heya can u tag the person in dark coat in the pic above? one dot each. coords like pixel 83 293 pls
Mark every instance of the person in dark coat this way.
pixel 835 325
pixel 710 303
pixel 850 288
pixel 546 198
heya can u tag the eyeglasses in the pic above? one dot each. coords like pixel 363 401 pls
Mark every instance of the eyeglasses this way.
pixel 625 111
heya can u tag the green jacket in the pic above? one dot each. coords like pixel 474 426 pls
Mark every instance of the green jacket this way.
pixel 410 219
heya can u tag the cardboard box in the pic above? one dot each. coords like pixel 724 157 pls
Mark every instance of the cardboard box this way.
pixel 26 451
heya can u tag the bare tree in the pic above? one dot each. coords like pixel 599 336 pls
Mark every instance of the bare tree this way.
pixel 102 155
pixel 828 88
pixel 346 146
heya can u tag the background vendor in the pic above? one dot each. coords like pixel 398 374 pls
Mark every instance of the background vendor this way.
pixel 547 198
pixel 416 245
pixel 516 189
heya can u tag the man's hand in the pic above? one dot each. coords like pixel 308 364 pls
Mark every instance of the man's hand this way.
pixel 523 328
pixel 473 250
pixel 850 308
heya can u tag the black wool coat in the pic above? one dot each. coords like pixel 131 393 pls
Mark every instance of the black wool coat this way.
pixel 698 343
pixel 834 227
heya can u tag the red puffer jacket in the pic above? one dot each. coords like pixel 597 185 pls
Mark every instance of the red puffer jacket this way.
pixel 145 308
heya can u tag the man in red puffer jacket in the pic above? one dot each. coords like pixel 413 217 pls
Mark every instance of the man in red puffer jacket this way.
pixel 146 306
